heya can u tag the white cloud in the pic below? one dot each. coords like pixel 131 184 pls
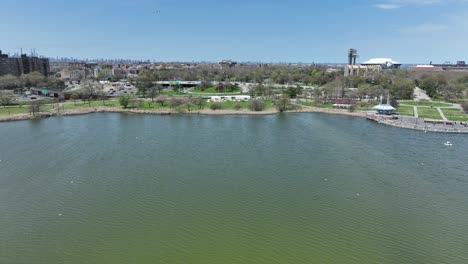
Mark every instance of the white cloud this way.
pixel 425 28
pixel 395 4
pixel 387 6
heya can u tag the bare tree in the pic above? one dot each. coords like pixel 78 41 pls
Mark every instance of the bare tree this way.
pixel 91 91
pixel 35 107
pixel 74 97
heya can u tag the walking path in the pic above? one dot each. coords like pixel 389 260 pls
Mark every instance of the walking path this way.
pixel 416 114
pixel 442 114
pixel 420 95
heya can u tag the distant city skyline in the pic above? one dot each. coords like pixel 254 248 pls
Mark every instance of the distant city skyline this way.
pixel 408 31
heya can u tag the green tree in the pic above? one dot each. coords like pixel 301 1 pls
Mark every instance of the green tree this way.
pixel 7 98
pixel 199 102
pixel 293 92
pixel 124 100
pixel 402 88
pixel 9 82
pixel 33 79
pixel 258 77
pixel 433 84
pixel 257 105
pixel 215 106
pixel 283 103
pixel 54 83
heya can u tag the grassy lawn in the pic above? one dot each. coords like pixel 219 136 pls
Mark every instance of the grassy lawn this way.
pixel 173 93
pixel 21 110
pixel 229 105
pixel 212 90
pixel 406 110
pixel 148 105
pixel 434 104
pixel 430 113
pixel 455 114
pixel 13 110
pixel 81 104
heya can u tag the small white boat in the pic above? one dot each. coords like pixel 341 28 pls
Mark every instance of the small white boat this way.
pixel 448 143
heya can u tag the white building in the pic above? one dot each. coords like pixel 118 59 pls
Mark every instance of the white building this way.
pixel 385 63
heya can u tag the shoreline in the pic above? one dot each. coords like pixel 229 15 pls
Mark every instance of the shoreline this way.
pixel 22 117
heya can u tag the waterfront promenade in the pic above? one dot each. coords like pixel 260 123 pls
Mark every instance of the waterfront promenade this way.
pixel 424 125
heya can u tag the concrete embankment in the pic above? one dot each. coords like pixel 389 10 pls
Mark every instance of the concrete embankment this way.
pixel 19 117
pixel 394 123
pixel 436 128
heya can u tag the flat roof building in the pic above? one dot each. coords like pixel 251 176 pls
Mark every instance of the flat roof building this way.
pixel 386 63
pixel 23 65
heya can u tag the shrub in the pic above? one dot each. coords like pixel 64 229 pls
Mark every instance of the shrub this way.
pixel 161 100
pixel 220 88
pixel 257 105
pixel 175 102
pixel 283 103
pixel 238 106
pixel 216 106
pixel 363 104
pixel 136 102
pixel 124 100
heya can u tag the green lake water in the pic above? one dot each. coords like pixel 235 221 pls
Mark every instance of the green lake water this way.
pixel 290 188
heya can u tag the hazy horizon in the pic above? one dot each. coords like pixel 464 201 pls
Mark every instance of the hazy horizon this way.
pixel 408 31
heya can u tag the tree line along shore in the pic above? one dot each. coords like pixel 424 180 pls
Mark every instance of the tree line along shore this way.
pixel 272 88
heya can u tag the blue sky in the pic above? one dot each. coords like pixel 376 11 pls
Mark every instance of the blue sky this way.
pixel 409 31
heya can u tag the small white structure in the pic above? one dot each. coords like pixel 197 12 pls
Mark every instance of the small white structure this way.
pixel 384 109
pixel 386 63
pixel 237 98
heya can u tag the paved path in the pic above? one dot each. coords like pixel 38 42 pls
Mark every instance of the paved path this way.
pixel 441 114
pixel 420 95
pixel 416 114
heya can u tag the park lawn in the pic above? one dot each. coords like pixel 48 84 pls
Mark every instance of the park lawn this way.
pixel 306 102
pixel 22 110
pixel 229 105
pixel 13 110
pixel 454 114
pixel 212 90
pixel 434 104
pixel 77 91
pixel 328 105
pixel 84 105
pixel 405 110
pixel 451 110
pixel 173 93
pixel 430 113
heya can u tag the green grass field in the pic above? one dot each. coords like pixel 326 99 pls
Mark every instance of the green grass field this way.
pixel 21 110
pixel 405 110
pixel 212 90
pixel 148 105
pixel 430 113
pixel 434 104
pixel 13 110
pixel 81 104
pixel 454 114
